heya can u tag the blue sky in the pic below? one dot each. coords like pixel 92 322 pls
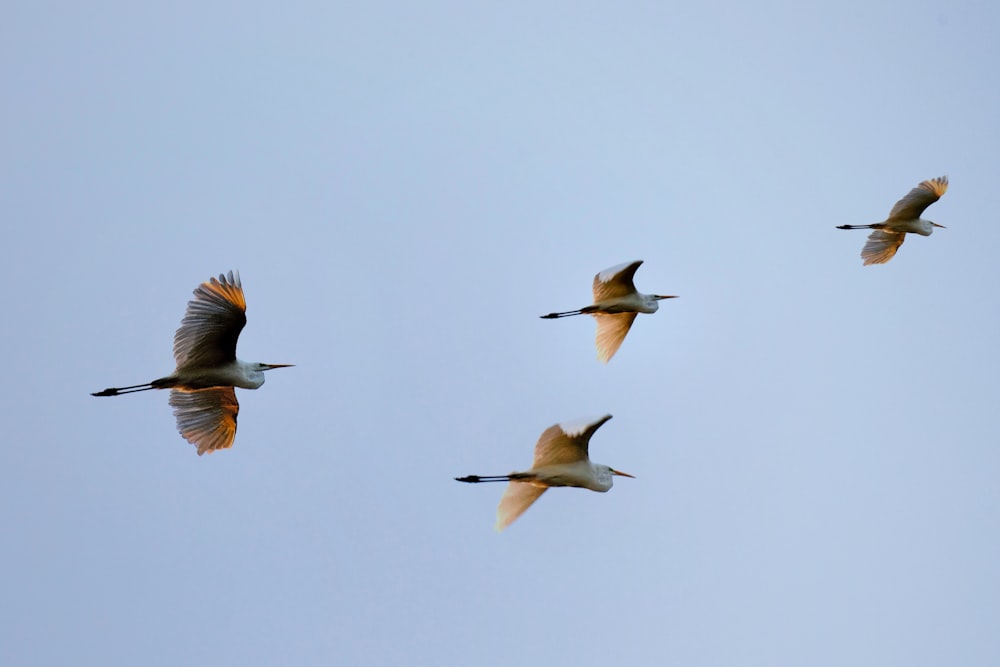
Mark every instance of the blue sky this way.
pixel 404 189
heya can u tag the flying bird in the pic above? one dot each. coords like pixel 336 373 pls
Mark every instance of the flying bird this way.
pixel 202 393
pixel 904 218
pixel 616 303
pixel 561 459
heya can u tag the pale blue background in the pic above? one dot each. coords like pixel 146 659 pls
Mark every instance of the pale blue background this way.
pixel 405 188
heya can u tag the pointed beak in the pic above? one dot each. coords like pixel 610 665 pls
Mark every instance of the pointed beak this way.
pixel 270 366
pixel 621 474
pixel 937 225
pixel 658 297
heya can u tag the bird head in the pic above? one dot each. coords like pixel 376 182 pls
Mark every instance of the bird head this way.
pixel 650 302
pixel 605 476
pixel 254 371
pixel 928 226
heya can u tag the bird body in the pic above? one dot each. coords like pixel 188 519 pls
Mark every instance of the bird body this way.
pixel 918 226
pixel 904 219
pixel 629 303
pixel 235 373
pixel 582 474
pixel 201 385
pixel 561 459
pixel 616 303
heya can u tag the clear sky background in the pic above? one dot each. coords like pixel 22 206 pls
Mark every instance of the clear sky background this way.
pixel 405 188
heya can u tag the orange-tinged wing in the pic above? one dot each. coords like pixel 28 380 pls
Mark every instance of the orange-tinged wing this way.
pixel 881 246
pixel 616 281
pixel 566 442
pixel 212 323
pixel 206 418
pixel 518 497
pixel 611 331
pixel 919 198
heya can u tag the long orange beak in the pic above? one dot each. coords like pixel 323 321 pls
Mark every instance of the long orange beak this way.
pixel 621 474
pixel 937 225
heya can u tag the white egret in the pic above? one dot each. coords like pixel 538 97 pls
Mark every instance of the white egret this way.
pixel 202 393
pixel 616 303
pixel 561 459
pixel 904 218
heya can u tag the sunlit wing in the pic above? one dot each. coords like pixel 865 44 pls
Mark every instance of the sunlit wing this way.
pixel 881 246
pixel 566 442
pixel 611 331
pixel 206 418
pixel 616 281
pixel 516 498
pixel 212 323
pixel 919 198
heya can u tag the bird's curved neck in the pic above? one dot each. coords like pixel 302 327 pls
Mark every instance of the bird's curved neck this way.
pixel 603 479
pixel 248 375
pixel 649 303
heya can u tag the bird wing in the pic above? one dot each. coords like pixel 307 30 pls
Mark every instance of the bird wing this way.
pixel 616 281
pixel 919 198
pixel 212 323
pixel 611 331
pixel 566 442
pixel 206 418
pixel 516 498
pixel 881 246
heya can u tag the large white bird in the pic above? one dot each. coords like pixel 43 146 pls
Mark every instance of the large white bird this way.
pixel 903 219
pixel 616 303
pixel 207 370
pixel 561 459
